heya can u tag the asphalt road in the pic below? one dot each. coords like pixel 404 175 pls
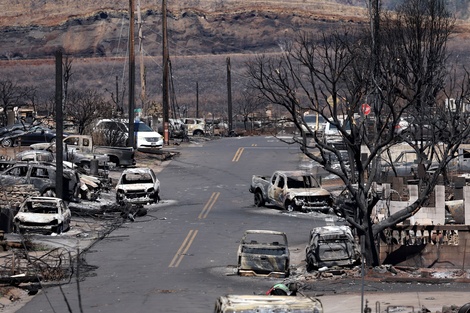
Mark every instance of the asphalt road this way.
pixel 182 255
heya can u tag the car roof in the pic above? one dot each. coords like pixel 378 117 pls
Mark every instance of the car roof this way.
pixel 138 170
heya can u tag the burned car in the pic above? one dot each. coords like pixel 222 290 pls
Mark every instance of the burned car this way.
pixel 43 215
pixel 43 177
pixel 263 253
pixel 265 303
pixel 138 186
pixel 331 246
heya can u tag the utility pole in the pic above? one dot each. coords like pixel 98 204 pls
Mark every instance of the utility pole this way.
pixel 131 74
pixel 165 82
pixel 59 178
pixel 143 96
pixel 197 99
pixel 229 95
pixel 118 106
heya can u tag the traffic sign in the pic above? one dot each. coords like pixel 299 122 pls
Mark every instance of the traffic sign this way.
pixel 366 109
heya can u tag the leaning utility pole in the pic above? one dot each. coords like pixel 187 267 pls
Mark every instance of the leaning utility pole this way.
pixel 165 81
pixel 131 74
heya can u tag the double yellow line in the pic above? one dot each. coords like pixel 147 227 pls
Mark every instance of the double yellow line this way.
pixel 192 233
pixel 183 249
pixel 209 205
pixel 238 154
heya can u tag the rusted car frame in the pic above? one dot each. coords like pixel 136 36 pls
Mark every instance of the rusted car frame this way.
pixel 263 253
pixel 331 246
pixel 265 303
pixel 138 186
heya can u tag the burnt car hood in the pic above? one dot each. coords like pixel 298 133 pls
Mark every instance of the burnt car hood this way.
pixel 134 187
pixel 37 217
pixel 308 192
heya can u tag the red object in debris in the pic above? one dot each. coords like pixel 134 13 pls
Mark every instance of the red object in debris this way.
pixel 366 109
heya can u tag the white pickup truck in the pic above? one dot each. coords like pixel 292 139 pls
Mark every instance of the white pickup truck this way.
pixel 291 190
pixel 81 150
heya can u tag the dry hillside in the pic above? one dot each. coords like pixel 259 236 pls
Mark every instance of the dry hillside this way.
pixel 202 34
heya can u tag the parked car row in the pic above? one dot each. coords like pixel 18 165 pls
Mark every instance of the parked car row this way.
pixel 115 132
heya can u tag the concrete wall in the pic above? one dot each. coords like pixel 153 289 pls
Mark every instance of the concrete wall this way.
pixel 427 246
pixel 424 240
pixel 433 215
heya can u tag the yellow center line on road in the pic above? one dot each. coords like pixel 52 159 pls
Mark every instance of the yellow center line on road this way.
pixel 184 248
pixel 209 205
pixel 238 154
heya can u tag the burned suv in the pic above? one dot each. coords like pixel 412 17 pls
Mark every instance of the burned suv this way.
pixel 138 186
pixel 44 215
pixel 42 176
pixel 331 246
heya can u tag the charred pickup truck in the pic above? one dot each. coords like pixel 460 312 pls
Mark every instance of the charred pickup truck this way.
pixel 291 190
pixel 263 253
pixel 81 150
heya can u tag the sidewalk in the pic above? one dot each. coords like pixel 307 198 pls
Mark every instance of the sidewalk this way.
pixel 378 302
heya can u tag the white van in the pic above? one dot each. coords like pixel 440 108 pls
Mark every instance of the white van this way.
pixel 146 136
pixel 116 133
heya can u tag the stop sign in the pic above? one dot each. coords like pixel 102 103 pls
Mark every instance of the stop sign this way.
pixel 366 109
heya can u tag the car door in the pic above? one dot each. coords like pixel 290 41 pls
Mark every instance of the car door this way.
pixel 276 188
pixel 34 135
pixel 17 174
pixel 40 178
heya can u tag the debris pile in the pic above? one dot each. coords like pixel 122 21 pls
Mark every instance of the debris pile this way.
pixel 26 265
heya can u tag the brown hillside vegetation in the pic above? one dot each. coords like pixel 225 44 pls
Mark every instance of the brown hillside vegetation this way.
pixel 202 34
pixel 53 12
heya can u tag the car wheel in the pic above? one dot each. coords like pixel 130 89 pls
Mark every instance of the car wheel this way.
pixel 67 228
pixel 59 229
pixel 49 193
pixel 290 206
pixel 7 143
pixel 115 160
pixel 17 229
pixel 156 198
pixel 198 132
pixel 85 166
pixel 120 198
pixel 465 308
pixel 259 201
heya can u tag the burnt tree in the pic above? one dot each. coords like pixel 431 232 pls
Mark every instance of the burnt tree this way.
pixel 398 67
